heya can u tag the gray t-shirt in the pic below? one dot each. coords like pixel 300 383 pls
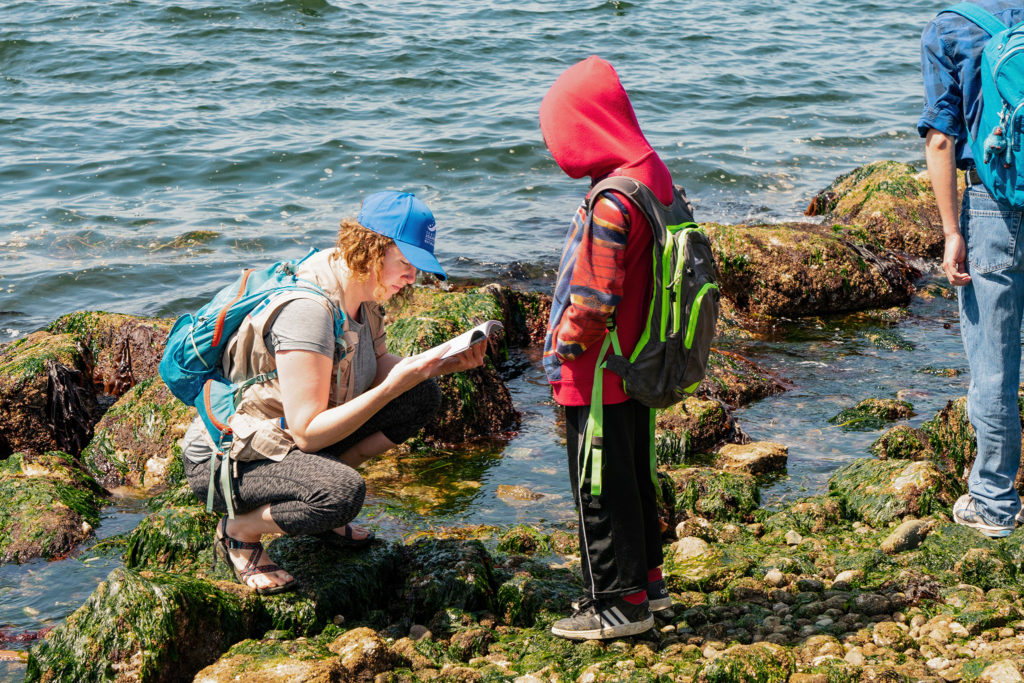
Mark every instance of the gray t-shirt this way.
pixel 304 324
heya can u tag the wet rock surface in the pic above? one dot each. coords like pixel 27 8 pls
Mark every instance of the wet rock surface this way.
pixel 800 269
pixel 890 201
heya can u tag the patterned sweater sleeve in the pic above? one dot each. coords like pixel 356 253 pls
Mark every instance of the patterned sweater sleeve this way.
pixel 596 285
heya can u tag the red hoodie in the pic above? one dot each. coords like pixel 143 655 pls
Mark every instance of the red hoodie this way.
pixel 590 128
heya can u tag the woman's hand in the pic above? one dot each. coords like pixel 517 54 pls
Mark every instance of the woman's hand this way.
pixel 410 371
pixel 473 357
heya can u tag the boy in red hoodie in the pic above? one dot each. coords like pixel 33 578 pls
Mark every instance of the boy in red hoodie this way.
pixel 605 279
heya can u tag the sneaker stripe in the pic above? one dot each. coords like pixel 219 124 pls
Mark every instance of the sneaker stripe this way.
pixel 613 616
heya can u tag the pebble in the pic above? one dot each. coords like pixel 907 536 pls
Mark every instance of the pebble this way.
pixel 855 657
pixel 937 663
pixel 793 538
pixel 419 632
pixel 775 578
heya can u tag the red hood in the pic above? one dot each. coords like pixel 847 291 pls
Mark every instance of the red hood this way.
pixel 590 128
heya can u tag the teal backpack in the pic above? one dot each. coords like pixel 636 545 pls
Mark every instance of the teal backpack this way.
pixel 997 147
pixel 191 363
pixel 671 356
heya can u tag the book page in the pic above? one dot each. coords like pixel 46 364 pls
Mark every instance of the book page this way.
pixel 470 337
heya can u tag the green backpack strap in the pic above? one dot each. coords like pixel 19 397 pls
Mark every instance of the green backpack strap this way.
pixel 593 436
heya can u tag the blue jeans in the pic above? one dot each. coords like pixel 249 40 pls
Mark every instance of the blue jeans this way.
pixel 991 306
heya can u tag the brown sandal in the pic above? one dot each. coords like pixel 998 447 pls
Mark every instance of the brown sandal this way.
pixel 222 543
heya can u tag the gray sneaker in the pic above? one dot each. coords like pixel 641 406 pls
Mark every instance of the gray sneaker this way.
pixel 605 618
pixel 965 512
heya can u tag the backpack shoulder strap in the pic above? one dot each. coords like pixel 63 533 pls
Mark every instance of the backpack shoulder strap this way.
pixel 979 16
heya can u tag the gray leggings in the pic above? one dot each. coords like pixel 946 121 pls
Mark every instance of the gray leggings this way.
pixel 311 492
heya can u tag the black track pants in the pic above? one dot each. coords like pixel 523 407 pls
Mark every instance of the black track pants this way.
pixel 620 536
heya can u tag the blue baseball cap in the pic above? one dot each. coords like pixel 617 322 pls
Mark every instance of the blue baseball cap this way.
pixel 406 220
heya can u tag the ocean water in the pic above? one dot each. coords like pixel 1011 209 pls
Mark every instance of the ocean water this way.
pixel 149 150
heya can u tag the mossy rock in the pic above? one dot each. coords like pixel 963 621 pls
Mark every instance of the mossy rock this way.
pixel 872 413
pixel 891 201
pixel 126 348
pixel 693 426
pixel 883 491
pixel 801 269
pixel 446 573
pixel 710 571
pixel 981 615
pixel 536 595
pixel 50 506
pixel 737 381
pixel 138 438
pixel 714 494
pixel 808 516
pixel 142 627
pixel 527 314
pixel 177 539
pixel 351 583
pixel 986 568
pixel 532 650
pixel 947 544
pixel 275 660
pixel 475 403
pixel 524 540
pixel 952 441
pixel 902 442
pixel 47 399
pixel 759 662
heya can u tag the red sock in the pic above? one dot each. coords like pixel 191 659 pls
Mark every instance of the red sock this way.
pixel 654 575
pixel 635 598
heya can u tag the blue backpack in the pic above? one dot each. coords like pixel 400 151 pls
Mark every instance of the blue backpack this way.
pixel 191 362
pixel 997 147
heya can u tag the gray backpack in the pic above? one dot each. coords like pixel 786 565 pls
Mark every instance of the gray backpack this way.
pixel 671 356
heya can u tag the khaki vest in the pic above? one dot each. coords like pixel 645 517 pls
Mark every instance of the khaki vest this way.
pixel 256 424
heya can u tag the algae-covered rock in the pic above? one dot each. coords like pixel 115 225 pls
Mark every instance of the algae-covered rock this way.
pixel 524 540
pixel 475 403
pixel 142 627
pixel 891 201
pixel 981 615
pixel 761 662
pixel 138 437
pixel 952 441
pixel 800 269
pixel 872 413
pixel 446 573
pixel 714 494
pixel 902 442
pixel 737 381
pixel 710 570
pixel 947 544
pixel 275 661
pixel 535 593
pixel 178 539
pixel 807 516
pixel 47 399
pixel 49 506
pixel 526 314
pixel 882 491
pixel 351 583
pixel 126 348
pixel 758 457
pixel 363 654
pixel 695 425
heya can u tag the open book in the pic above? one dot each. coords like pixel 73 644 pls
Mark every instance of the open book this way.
pixel 470 337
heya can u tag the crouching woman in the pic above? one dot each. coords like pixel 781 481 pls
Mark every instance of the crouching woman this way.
pixel 336 400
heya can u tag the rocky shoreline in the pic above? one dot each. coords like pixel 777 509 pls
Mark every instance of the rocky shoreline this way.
pixel 869 581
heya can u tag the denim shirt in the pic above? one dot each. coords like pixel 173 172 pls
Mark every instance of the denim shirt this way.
pixel 951 49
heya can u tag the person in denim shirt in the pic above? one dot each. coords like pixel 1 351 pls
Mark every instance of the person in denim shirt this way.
pixel 983 258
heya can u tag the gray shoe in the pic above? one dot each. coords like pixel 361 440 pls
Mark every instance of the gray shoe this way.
pixel 605 618
pixel 965 512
